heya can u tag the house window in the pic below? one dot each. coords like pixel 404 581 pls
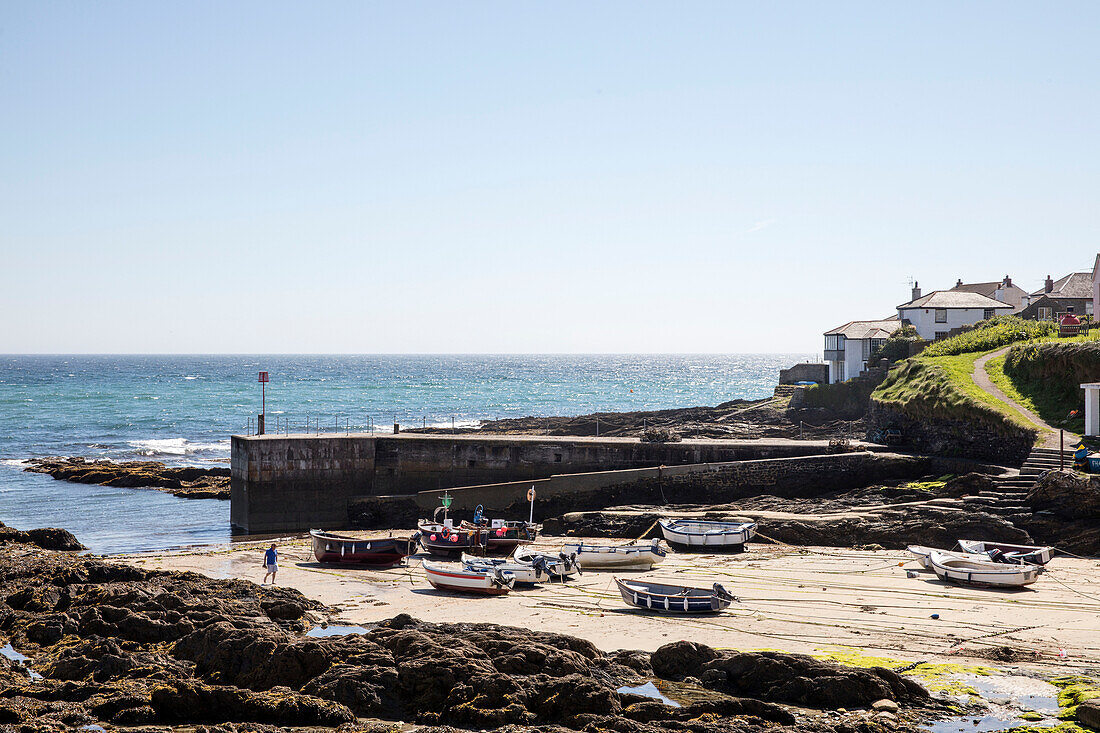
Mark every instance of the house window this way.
pixel 830 342
pixel 1045 313
pixel 941 335
pixel 988 313
pixel 941 315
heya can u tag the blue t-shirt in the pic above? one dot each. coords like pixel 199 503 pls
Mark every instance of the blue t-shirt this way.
pixel 271 557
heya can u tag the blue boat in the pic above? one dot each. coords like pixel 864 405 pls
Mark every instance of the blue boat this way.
pixel 674 598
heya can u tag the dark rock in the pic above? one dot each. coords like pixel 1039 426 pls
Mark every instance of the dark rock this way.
pixel 188 482
pixel 1088 714
pixel 1068 494
pixel 789 678
pixel 48 538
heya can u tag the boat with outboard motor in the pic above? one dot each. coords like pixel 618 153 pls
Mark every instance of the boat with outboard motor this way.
pixel 711 535
pixel 668 598
pixel 1003 552
pixel 559 566
pixel 528 574
pixel 972 570
pixel 481 580
pixel 346 549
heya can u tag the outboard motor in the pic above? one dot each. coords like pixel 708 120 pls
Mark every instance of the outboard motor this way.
pixel 997 556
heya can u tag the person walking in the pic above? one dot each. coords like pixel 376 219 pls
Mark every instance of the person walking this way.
pixel 271 563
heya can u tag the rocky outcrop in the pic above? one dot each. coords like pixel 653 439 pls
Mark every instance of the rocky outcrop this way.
pixel 889 527
pixel 788 678
pixel 126 646
pixel 1067 511
pixel 48 538
pixel 186 481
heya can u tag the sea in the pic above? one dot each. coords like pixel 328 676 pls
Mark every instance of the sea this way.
pixel 182 410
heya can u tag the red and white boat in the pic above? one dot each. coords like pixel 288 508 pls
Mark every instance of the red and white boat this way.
pixel 485 580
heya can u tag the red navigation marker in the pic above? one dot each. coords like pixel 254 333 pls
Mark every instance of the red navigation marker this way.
pixel 261 423
pixel 264 377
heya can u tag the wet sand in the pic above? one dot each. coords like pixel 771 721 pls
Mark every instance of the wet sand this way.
pixel 793 599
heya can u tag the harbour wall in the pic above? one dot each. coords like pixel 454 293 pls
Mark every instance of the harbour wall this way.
pixel 295 482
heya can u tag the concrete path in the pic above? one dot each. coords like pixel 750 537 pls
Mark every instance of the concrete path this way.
pixel 1048 435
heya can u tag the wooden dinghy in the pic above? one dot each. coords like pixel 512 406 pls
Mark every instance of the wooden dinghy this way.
pixel 485 580
pixel 624 557
pixel 559 566
pixel 524 573
pixel 712 535
pixel 922 554
pixel 379 552
pixel 447 541
pixel 664 598
pixel 973 571
pixel 1033 555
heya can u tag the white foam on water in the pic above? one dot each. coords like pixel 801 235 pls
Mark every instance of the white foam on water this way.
pixel 16 462
pixel 175 447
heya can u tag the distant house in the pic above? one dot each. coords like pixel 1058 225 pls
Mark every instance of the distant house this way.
pixel 1073 293
pixel 935 314
pixel 1096 285
pixel 848 348
pixel 1002 290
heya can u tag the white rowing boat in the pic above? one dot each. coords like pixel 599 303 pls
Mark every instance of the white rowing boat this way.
pixel 972 571
pixel 1032 554
pixel 717 535
pixel 623 557
pixel 486 581
pixel 523 572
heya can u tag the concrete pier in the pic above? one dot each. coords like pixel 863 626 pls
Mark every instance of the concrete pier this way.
pixel 295 482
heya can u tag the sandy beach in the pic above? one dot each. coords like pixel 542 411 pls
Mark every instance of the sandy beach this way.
pixel 809 600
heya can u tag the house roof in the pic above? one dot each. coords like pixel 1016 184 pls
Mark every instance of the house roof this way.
pixel 1073 285
pixel 867 329
pixel 954 299
pixel 986 289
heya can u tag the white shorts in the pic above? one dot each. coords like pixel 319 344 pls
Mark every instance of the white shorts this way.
pixel 272 568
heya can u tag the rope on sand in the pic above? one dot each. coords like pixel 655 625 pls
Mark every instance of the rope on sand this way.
pixel 643 534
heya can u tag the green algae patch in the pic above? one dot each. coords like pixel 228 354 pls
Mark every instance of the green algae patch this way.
pixel 1072 691
pixel 936 677
pixel 1031 715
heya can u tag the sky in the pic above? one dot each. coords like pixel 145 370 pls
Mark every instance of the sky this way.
pixel 522 177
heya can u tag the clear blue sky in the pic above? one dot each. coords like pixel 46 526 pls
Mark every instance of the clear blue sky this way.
pixel 529 177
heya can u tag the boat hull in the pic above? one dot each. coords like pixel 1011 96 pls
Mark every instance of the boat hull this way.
pixel 922 555
pixel 598 557
pixel 983 574
pixel 672 599
pixel 720 536
pixel 444 541
pixel 386 552
pixel 465 581
pixel 523 573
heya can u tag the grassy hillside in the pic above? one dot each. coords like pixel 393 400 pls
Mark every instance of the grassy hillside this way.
pixel 1046 377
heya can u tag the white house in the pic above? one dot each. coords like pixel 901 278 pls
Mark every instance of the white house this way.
pixel 849 347
pixel 1096 286
pixel 935 314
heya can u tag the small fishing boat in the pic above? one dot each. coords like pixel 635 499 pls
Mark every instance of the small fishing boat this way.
pixel 922 554
pixel 379 552
pixel 484 580
pixel 715 535
pixel 623 557
pixel 524 573
pixel 973 571
pixel 445 540
pixel 503 535
pixel 674 598
pixel 559 566
pixel 1034 555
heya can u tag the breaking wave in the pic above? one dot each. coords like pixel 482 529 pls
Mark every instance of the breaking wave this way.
pixel 176 447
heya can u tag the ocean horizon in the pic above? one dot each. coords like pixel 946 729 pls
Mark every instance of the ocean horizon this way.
pixel 181 410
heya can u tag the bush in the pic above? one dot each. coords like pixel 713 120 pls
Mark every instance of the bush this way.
pixel 897 347
pixel 991 334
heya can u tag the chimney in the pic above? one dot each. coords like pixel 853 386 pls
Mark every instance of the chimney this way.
pixel 916 291
pixel 1049 285
pixel 959 284
pixel 1007 282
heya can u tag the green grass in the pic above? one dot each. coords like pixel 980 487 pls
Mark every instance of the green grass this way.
pixel 990 335
pixel 1035 396
pixel 960 373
